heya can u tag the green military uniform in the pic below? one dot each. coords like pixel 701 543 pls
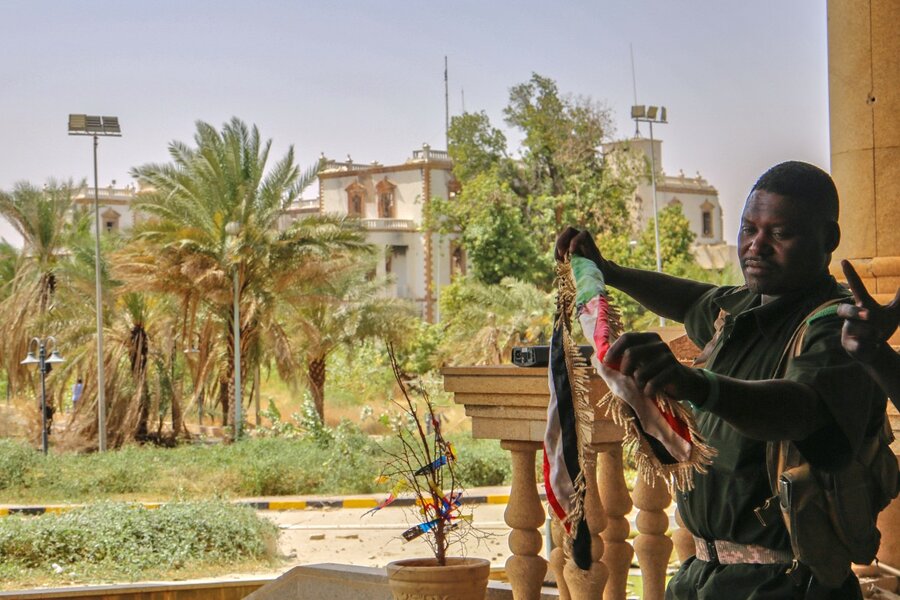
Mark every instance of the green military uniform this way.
pixel 721 505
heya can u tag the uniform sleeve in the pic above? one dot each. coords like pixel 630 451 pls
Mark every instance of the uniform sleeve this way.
pixel 848 394
pixel 699 323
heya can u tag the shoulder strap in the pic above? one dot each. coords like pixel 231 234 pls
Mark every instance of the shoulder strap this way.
pixel 795 344
pixel 777 452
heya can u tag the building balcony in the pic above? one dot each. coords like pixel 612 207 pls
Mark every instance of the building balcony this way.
pixel 389 224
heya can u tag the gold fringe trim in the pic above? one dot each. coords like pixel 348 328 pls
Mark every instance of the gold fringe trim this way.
pixel 579 372
pixel 678 476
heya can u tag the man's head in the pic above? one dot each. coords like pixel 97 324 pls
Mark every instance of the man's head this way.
pixel 788 229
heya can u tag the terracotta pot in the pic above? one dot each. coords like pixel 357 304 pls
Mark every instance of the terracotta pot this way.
pixel 423 579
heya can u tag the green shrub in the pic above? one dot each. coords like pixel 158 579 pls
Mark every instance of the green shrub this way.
pixel 17 461
pixel 311 459
pixel 119 540
pixel 481 462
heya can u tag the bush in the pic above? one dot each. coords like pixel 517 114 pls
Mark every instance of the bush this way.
pixel 311 459
pixel 127 541
pixel 481 462
pixel 17 461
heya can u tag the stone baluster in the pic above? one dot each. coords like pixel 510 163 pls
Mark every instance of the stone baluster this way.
pixel 683 540
pixel 524 515
pixel 588 585
pixel 558 558
pixel 652 547
pixel 617 501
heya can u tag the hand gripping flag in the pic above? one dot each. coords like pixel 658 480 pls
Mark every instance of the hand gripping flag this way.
pixel 659 431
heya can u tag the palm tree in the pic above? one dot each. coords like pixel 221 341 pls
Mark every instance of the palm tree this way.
pixel 185 252
pixel 45 219
pixel 484 322
pixel 341 309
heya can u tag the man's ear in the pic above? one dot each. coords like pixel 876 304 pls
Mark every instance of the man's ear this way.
pixel 832 236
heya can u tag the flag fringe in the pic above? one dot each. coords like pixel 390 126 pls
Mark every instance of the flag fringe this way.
pixel 678 476
pixel 579 376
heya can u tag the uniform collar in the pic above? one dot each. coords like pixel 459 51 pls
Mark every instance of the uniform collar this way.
pixel 772 317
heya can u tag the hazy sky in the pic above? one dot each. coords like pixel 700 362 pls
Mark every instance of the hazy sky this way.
pixel 745 83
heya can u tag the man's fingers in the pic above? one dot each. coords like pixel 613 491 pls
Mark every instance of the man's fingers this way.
pixel 850 311
pixel 659 382
pixel 625 342
pixel 563 242
pixel 894 304
pixel 860 294
pixel 651 369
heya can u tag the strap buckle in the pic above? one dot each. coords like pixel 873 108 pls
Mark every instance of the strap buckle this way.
pixel 711 550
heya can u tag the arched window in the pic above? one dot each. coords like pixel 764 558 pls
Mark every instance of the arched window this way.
pixel 109 220
pixel 386 202
pixel 356 200
pixel 707 229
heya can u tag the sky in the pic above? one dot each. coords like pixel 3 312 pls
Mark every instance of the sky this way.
pixel 745 83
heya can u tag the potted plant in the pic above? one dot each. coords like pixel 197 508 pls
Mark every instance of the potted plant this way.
pixel 423 466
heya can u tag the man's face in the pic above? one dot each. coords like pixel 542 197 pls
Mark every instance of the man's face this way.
pixel 781 245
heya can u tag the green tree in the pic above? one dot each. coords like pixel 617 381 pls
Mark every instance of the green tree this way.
pixel 482 323
pixel 562 135
pixel 493 229
pixel 46 220
pixel 341 309
pixel 186 251
pixel 476 146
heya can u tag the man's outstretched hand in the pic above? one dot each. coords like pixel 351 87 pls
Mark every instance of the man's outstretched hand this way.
pixel 867 324
pixel 649 361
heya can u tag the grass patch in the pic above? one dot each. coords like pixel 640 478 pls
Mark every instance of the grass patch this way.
pixel 126 542
pixel 339 460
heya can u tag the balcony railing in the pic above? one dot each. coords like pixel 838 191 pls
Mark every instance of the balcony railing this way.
pixel 389 224
pixel 510 404
pixel 87 193
pixel 429 154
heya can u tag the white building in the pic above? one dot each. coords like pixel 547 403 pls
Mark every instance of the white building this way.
pixel 698 199
pixel 116 211
pixel 389 200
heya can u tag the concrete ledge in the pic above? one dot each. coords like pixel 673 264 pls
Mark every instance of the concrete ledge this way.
pixel 330 581
pixel 221 590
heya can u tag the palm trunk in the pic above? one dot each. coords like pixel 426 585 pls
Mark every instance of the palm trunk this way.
pixel 225 385
pixel 316 374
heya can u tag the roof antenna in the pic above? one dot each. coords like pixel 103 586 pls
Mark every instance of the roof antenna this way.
pixel 637 125
pixel 446 107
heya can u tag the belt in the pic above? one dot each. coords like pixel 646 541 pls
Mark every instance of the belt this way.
pixel 732 553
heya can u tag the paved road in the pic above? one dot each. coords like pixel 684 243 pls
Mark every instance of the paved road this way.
pixel 345 535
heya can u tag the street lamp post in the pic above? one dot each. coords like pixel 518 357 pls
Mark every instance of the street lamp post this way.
pixel 651 115
pixel 96 126
pixel 233 229
pixel 43 361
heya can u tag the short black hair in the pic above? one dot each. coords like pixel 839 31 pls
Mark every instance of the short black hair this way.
pixel 804 182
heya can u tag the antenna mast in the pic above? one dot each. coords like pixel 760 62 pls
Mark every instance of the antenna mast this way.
pixel 637 127
pixel 446 108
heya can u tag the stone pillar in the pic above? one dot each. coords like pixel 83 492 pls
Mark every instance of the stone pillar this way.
pixel 588 585
pixel 615 497
pixel 652 546
pixel 864 96
pixel 524 515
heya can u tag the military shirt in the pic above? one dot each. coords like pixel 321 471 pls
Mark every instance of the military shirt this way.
pixel 753 338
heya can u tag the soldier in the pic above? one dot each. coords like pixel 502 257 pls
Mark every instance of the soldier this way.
pixel 825 402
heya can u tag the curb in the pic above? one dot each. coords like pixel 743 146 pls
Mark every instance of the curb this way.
pixel 274 505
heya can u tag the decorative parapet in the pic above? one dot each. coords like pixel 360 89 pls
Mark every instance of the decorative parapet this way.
pixel 389 224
